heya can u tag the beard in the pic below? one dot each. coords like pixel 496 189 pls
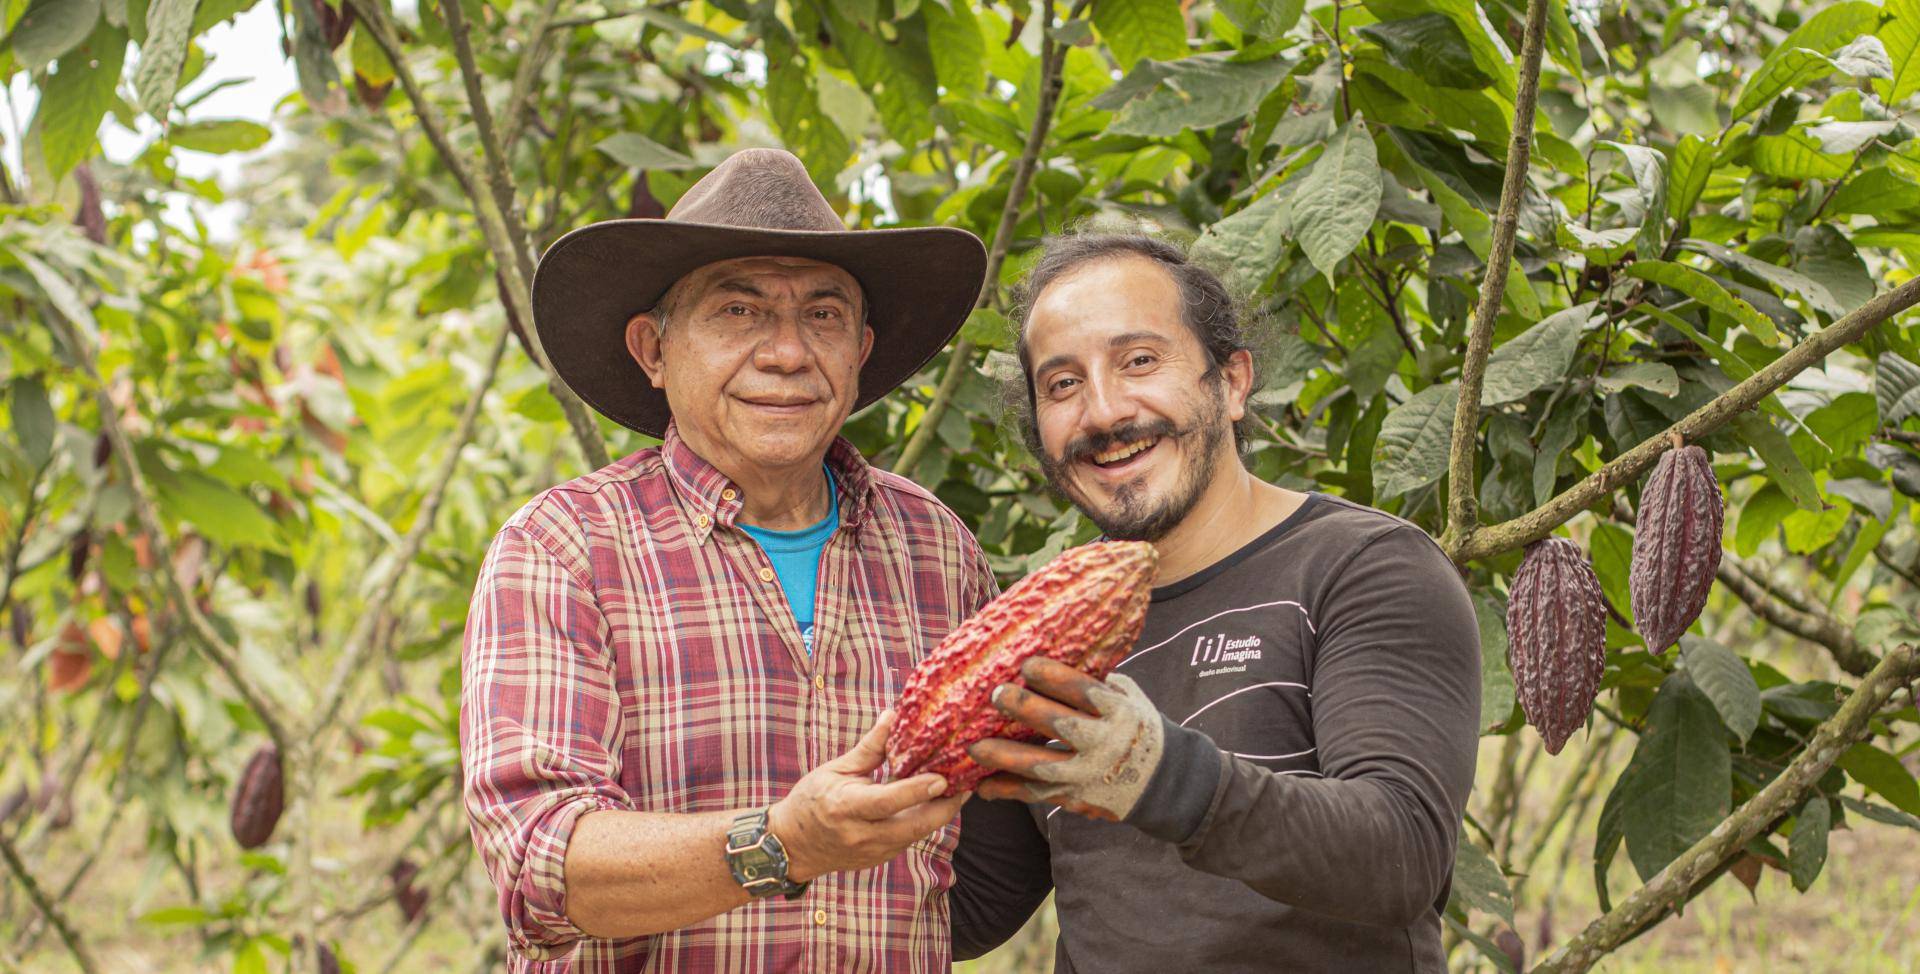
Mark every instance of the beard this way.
pixel 1134 515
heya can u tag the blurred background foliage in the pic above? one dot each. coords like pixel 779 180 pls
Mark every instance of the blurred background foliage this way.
pixel 249 476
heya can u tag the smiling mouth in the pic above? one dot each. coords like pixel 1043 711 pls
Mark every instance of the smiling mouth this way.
pixel 1122 455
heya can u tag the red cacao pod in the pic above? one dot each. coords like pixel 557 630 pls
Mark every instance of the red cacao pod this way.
pixel 1084 608
pixel 1556 638
pixel 259 799
pixel 1676 546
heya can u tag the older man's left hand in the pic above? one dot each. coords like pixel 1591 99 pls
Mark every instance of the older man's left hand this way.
pixel 1114 732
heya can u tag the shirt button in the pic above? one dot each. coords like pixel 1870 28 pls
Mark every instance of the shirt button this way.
pixel 729 494
pixel 700 520
pixel 820 918
pixel 820 682
pixel 766 574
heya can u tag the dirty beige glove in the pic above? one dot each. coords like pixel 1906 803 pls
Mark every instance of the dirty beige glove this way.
pixel 1115 734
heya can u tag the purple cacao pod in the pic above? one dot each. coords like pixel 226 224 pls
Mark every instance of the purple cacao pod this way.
pixel 1556 638
pixel 1676 546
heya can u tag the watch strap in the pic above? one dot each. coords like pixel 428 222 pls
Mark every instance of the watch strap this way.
pixel 757 859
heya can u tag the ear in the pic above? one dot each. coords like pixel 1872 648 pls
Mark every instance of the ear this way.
pixel 1237 372
pixel 644 343
pixel 866 344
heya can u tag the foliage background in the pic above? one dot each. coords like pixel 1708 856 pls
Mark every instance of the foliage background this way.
pixel 248 482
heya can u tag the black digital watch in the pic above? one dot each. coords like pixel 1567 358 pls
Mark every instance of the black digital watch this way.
pixel 757 859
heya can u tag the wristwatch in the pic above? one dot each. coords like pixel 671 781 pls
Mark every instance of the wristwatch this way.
pixel 757 859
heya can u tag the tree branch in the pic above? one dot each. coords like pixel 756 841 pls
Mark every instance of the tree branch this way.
pixel 1053 57
pixel 493 226
pixel 1650 903
pixel 1541 521
pixel 47 908
pixel 1463 509
pixel 224 655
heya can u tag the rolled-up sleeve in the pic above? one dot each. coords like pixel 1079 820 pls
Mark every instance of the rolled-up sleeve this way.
pixel 539 731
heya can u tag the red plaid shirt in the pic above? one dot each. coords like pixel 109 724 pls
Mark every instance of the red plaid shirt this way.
pixel 629 648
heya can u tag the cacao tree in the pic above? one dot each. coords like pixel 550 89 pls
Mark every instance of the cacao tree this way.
pixel 1609 298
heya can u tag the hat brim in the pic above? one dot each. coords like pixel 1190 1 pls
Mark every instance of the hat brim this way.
pixel 920 284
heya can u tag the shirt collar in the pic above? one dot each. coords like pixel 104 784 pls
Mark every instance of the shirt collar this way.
pixel 710 498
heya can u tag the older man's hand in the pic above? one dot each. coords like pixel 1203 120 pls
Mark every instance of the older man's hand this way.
pixel 1114 732
pixel 836 818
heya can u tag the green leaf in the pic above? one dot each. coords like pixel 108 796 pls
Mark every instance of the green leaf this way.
pixel 1689 170
pixel 636 151
pixel 169 28
pixel 1807 849
pixel 795 106
pixel 75 98
pixel 1708 292
pixel 1675 790
pixel 1496 680
pixel 1249 242
pixel 369 62
pixel 959 50
pixel 49 29
pixel 221 135
pixel 177 916
pixel 1135 29
pixel 60 293
pixel 1795 155
pixel 1611 550
pixel 1478 881
pixel 1848 137
pixel 1535 357
pixel 1883 774
pixel 1881 813
pixel 896 74
pixel 1810 531
pixel 220 512
pixel 33 421
pixel 1785 278
pixel 1901 37
pixel 1262 18
pixel 1338 197
pixel 1655 376
pixel 1797 59
pixel 1783 465
pixel 1649 169
pixel 1411 450
pixel 1430 46
pixel 1161 98
pixel 987 328
pixel 1896 388
pixel 1726 681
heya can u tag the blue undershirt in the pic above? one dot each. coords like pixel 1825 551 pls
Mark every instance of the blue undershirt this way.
pixel 796 559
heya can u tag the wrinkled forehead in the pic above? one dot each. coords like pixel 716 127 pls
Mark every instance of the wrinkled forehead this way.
pixel 797 276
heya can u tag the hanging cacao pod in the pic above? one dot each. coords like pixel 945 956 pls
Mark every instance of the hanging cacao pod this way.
pixel 334 24
pixel 1084 608
pixel 259 798
pixel 412 899
pixel 1556 638
pixel 1676 546
pixel 77 551
pixel 1510 944
pixel 325 961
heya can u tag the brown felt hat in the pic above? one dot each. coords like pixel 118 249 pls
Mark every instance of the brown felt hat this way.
pixel 920 283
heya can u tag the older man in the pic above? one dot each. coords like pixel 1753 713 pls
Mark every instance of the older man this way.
pixel 1274 778
pixel 676 666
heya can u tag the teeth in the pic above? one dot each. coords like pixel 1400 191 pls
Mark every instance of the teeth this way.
pixel 1121 453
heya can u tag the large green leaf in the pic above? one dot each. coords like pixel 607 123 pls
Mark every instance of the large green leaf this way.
pixel 1535 357
pixel 1478 881
pixel 33 420
pixel 1708 292
pixel 1430 46
pixel 1901 37
pixel 1135 29
pixel 1807 850
pixel 794 104
pixel 959 51
pixel 1796 155
pixel 75 98
pixel 1337 200
pixel 1896 387
pixel 51 28
pixel 1691 167
pixel 1262 18
pixel 220 512
pixel 1799 58
pixel 220 135
pixel 1783 465
pixel 1250 241
pixel 1496 679
pixel 1726 681
pixel 1414 439
pixel 1649 209
pixel 162 54
pixel 1676 789
pixel 897 74
pixel 1784 278
pixel 636 151
pixel 1882 773
pixel 1160 98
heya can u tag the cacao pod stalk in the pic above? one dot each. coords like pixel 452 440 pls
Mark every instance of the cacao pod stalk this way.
pixel 1084 608
pixel 259 799
pixel 1556 638
pixel 1676 546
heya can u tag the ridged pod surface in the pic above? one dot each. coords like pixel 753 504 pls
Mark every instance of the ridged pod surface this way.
pixel 1084 608
pixel 259 799
pixel 1676 546
pixel 1556 638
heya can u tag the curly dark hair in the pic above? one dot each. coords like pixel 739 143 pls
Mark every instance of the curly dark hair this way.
pixel 1206 307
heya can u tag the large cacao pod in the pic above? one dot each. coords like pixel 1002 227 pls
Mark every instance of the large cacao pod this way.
pixel 1084 608
pixel 259 799
pixel 1676 546
pixel 1556 638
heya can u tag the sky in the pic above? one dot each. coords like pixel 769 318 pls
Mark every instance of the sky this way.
pixel 248 48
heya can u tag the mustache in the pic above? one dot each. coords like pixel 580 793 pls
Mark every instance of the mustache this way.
pixel 1092 444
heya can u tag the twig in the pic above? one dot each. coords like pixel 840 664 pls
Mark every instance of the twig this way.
pixel 1053 57
pixel 1651 902
pixel 1541 521
pixel 1463 509
pixel 47 908
pixel 1897 436
pixel 493 226
pixel 1884 555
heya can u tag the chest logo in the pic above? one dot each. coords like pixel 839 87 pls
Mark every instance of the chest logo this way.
pixel 1224 654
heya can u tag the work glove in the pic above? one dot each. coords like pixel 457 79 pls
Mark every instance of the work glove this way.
pixel 1110 742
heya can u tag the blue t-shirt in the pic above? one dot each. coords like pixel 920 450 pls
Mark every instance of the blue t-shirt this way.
pixel 796 559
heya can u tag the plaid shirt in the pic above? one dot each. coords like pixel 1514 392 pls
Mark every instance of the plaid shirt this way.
pixel 628 647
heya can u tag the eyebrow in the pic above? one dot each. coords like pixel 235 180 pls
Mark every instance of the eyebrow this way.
pixel 1118 341
pixel 739 285
pixel 830 291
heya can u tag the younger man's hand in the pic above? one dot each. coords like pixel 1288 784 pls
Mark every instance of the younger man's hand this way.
pixel 1115 733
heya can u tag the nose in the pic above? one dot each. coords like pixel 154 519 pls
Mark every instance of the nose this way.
pixel 783 348
pixel 1107 405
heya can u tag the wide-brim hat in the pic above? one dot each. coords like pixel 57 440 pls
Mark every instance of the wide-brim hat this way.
pixel 920 283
